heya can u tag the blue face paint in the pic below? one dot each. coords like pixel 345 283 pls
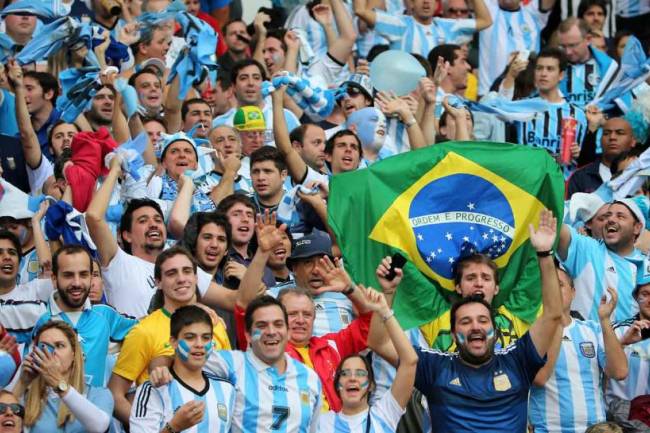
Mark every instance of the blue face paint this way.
pixel 208 349
pixel 183 350
pixel 490 333
pixel 461 338
pixel 256 335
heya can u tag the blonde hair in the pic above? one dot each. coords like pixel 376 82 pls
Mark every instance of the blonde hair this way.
pixel 36 396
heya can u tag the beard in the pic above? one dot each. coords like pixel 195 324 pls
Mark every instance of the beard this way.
pixel 151 247
pixel 473 359
pixel 71 303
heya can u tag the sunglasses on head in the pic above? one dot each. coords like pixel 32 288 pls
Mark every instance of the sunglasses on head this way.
pixel 16 409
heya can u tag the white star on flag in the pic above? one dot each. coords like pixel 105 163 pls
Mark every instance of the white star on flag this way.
pixel 449 236
pixel 466 239
pixel 451 260
pixel 495 238
pixel 420 237
pixel 485 236
pixel 470 206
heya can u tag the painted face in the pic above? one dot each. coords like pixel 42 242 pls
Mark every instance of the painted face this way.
pixel 474 333
pixel 268 334
pixel 370 126
pixel 354 384
pixel 194 345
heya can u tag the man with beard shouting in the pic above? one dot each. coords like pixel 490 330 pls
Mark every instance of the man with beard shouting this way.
pixel 480 388
pixel 97 325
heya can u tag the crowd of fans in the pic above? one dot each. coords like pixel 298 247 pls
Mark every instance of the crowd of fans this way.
pixel 166 260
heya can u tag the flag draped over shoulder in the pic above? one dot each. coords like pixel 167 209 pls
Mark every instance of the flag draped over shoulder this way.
pixel 438 204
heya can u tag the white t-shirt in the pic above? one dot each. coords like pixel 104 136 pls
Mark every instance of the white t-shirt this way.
pixel 129 283
pixel 37 176
pixel 35 290
pixel 384 416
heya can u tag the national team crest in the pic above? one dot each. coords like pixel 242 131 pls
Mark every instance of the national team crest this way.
pixel 304 398
pixel 457 209
pixel 222 411
pixel 587 349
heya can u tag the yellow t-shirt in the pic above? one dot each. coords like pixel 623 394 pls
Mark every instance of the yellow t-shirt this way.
pixel 306 359
pixel 471 91
pixel 438 331
pixel 149 339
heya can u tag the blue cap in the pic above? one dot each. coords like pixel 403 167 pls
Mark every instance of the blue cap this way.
pixel 314 244
pixel 642 275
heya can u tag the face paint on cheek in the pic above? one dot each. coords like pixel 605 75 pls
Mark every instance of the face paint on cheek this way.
pixel 183 350
pixel 364 384
pixel 208 349
pixel 256 335
pixel 461 338
pixel 490 333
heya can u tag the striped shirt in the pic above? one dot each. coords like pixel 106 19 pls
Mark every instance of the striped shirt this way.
pixel 582 82
pixel 29 267
pixel 593 268
pixel 569 8
pixel 382 415
pixel 637 381
pixel 153 407
pixel 406 34
pixel 545 129
pixel 572 398
pixel 267 400
pixel 333 312
pixel 212 180
pixel 510 31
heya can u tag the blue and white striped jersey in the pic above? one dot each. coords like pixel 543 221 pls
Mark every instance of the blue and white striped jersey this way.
pixel 545 129
pixel 267 400
pixel 212 179
pixel 637 381
pixel 593 268
pixel 383 415
pixel 582 82
pixel 333 313
pixel 29 267
pixel 153 407
pixel 572 398
pixel 406 34
pixel 510 31
pixel 632 8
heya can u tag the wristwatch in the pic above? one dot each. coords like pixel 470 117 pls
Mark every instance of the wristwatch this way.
pixel 168 428
pixel 61 387
pixel 349 290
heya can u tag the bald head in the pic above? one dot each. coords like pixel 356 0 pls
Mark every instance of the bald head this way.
pixel 617 138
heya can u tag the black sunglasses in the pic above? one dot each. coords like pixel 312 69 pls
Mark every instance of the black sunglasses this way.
pixel 16 408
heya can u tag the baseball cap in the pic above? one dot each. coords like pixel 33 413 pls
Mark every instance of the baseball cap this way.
pixel 361 82
pixel 249 118
pixel 313 244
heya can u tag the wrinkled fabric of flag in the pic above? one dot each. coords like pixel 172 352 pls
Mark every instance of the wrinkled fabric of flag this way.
pixel 62 220
pixel 78 88
pixel 633 70
pixel 313 99
pixel 44 9
pixel 506 110
pixel 48 41
pixel 198 60
pixel 438 204
pixel 7 48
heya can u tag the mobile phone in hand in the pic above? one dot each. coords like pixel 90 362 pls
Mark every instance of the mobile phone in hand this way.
pixel 397 262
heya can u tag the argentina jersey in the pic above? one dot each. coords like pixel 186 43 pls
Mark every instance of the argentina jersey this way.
pixel 333 313
pixel 593 268
pixel 545 129
pixel 582 82
pixel 383 417
pixel 406 34
pixel 29 267
pixel 572 398
pixel 638 359
pixel 212 180
pixel 267 400
pixel 153 407
pixel 510 31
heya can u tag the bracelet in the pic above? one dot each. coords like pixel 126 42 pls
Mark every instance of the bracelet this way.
pixel 168 428
pixel 348 291
pixel 390 314
pixel 545 253
pixel 411 122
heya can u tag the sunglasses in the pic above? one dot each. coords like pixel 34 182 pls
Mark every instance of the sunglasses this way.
pixel 16 409
pixel 455 11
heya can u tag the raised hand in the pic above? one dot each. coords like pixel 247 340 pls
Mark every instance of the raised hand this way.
pixel 634 332
pixel 14 74
pixel 392 106
pixel 8 343
pixel 374 300
pixel 48 366
pixel 269 236
pixel 292 40
pixel 259 22
pixel 543 238
pixel 323 14
pixel 441 71
pixel 388 287
pixel 362 67
pixel 605 309
pixel 427 89
pixel 335 278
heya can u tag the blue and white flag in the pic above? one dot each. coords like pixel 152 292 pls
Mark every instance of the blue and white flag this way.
pixel 7 48
pixel 633 70
pixel 521 110
pixel 318 103
pixel 62 220
pixel 78 88
pixel 197 61
pixel 44 9
pixel 48 41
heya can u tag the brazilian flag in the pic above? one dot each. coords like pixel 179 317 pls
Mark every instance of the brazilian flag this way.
pixel 438 204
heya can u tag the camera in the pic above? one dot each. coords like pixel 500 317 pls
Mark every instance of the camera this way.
pixel 112 6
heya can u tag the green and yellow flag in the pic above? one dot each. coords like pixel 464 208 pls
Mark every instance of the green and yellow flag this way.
pixel 438 204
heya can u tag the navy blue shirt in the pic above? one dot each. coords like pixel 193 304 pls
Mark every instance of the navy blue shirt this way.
pixel 41 134
pixel 490 398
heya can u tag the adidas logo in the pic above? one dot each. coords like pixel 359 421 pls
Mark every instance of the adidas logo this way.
pixel 455 382
pixel 611 269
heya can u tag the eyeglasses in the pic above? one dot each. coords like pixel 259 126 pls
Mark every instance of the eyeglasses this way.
pixel 16 409
pixel 356 373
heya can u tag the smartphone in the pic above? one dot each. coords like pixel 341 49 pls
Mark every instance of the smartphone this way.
pixel 645 333
pixel 523 55
pixel 397 262
pixel 45 347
